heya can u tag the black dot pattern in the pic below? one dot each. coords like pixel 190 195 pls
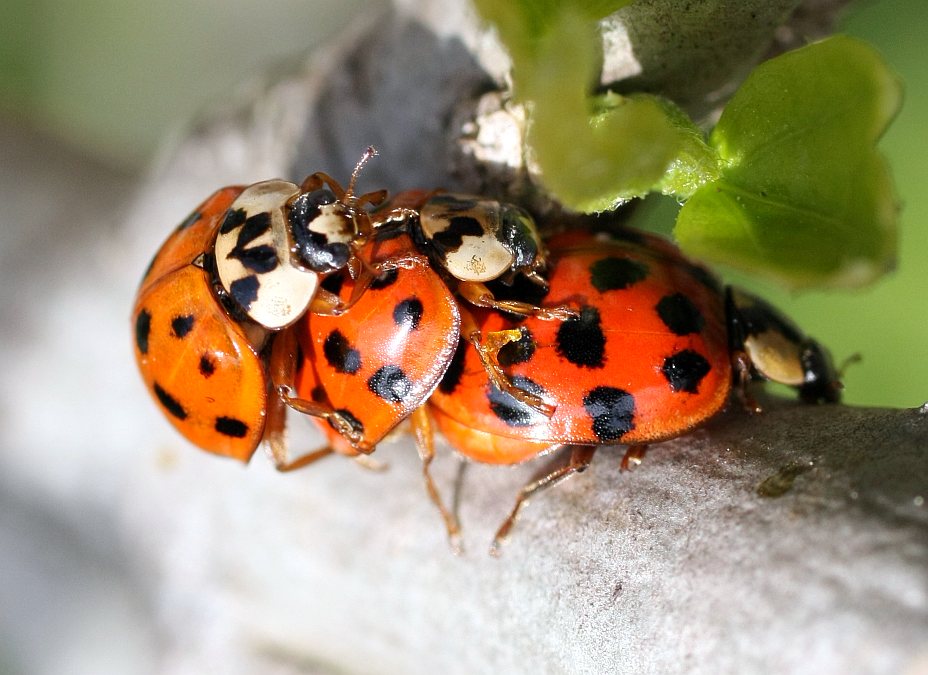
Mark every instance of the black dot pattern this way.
pixel 408 312
pixel 451 238
pixel 390 383
pixel 207 365
pixel 229 426
pixel 615 274
pixel 511 411
pixel 612 411
pixel 182 325
pixel 234 218
pixel 340 354
pixel 171 404
pixel 581 340
pixel 142 330
pixel 685 370
pixel 680 315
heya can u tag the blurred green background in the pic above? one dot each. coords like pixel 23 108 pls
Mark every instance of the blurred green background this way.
pixel 111 78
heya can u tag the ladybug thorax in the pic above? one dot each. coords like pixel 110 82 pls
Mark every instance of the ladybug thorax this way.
pixel 253 256
pixel 323 229
pixel 478 239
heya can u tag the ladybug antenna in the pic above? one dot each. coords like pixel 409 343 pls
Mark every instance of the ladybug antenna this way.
pixel 368 154
pixel 849 361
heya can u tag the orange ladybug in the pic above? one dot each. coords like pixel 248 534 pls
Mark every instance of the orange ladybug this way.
pixel 245 264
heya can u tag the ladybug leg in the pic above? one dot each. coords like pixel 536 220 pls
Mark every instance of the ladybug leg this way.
pixel 277 443
pixel 318 179
pixel 425 444
pixel 487 347
pixel 633 456
pixel 478 294
pixel 741 367
pixel 281 370
pixel 315 409
pixel 579 460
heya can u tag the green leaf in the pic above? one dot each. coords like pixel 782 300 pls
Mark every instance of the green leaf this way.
pixel 803 197
pixel 592 153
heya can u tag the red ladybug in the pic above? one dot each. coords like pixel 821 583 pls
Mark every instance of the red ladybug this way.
pixel 650 356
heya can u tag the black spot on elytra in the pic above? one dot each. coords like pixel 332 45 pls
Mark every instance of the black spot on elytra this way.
pixel 207 365
pixel 171 404
pixel 614 274
pixel 612 411
pixel 520 351
pixel 142 330
pixel 581 340
pixel 408 311
pixel 390 383
pixel 234 218
pixel 181 325
pixel 679 314
pixel 451 238
pixel 229 426
pixel 340 354
pixel 513 412
pixel 685 370
pixel 387 278
pixel 245 290
pixel 353 421
pixel 452 377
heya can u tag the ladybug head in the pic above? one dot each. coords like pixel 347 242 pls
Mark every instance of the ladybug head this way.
pixel 322 229
pixel 822 382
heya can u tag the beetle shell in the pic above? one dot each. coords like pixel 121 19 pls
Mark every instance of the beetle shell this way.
pixel 646 360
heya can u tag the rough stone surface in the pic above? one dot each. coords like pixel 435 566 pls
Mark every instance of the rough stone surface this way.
pixel 795 541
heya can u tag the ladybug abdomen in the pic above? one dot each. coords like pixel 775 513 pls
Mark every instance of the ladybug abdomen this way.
pixel 646 359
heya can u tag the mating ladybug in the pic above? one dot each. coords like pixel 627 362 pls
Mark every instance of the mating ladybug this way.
pixel 650 356
pixel 246 262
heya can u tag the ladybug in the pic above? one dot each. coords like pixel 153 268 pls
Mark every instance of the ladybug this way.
pixel 244 264
pixel 278 240
pixel 473 241
pixel 363 372
pixel 651 355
